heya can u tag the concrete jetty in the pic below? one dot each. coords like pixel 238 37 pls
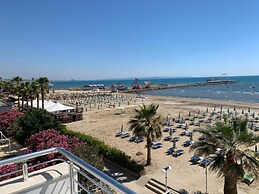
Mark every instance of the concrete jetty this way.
pixel 170 86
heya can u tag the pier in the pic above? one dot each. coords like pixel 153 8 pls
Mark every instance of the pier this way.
pixel 171 86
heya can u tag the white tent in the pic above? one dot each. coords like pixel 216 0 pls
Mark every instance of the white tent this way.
pixel 50 106
pixel 47 103
pixel 58 107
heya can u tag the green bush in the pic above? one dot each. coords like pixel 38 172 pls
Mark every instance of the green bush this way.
pixel 90 155
pixel 32 122
pixel 113 154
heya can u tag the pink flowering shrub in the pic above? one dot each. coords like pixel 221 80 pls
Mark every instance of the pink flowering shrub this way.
pixel 40 141
pixel 9 168
pixel 48 139
pixel 7 118
pixel 51 138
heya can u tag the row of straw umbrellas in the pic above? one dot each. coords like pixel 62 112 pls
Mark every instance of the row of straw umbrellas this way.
pixel 94 100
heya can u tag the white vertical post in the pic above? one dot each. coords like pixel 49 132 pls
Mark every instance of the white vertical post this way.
pixel 166 181
pixel 71 177
pixel 206 177
pixel 164 170
pixel 25 171
pixel 9 144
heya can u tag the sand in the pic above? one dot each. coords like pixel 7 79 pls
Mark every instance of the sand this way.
pixel 103 124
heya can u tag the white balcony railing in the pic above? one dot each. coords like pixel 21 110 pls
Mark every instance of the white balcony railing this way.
pixel 77 168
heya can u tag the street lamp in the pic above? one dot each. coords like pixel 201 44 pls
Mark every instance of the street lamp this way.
pixel 164 171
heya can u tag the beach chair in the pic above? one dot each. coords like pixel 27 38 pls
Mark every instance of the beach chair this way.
pixel 248 178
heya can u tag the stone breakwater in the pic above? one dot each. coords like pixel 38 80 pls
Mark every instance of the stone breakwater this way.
pixel 170 86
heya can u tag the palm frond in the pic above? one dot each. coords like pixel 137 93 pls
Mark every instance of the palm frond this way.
pixel 217 164
pixel 250 163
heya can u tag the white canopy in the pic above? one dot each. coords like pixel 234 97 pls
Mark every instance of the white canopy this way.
pixel 58 107
pixel 51 106
pixel 47 103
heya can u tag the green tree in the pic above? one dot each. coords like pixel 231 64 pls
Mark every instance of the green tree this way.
pixel 44 87
pixel 35 93
pixel 24 91
pixel 16 81
pixel 226 144
pixel 32 122
pixel 145 123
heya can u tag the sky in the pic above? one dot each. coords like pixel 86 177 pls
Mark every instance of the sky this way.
pixel 104 39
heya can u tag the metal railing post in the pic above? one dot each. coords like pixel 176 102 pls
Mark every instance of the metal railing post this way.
pixel 71 177
pixel 25 171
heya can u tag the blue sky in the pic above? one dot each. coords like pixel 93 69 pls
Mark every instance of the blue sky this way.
pixel 95 39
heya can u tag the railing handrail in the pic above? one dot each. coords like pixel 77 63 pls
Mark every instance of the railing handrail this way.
pixel 94 171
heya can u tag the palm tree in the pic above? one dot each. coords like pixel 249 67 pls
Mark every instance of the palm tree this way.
pixel 16 81
pixel 24 89
pixel 44 86
pixel 145 123
pixel 35 92
pixel 225 144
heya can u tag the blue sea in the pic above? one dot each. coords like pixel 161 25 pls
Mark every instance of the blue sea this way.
pixel 245 90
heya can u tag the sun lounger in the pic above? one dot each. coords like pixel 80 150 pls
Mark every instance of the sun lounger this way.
pixel 125 134
pixel 140 139
pixel 178 153
pixel 248 178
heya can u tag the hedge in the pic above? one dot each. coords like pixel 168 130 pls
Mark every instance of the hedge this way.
pixel 113 154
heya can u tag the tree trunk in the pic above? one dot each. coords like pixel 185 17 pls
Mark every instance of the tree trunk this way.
pixel 27 104
pixel 38 101
pixel 31 103
pixel 19 104
pixel 230 185
pixel 148 151
pixel 42 98
pixel 22 104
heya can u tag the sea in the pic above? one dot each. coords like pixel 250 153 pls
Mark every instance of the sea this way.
pixel 245 90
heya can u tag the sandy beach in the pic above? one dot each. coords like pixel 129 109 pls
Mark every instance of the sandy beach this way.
pixel 104 123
